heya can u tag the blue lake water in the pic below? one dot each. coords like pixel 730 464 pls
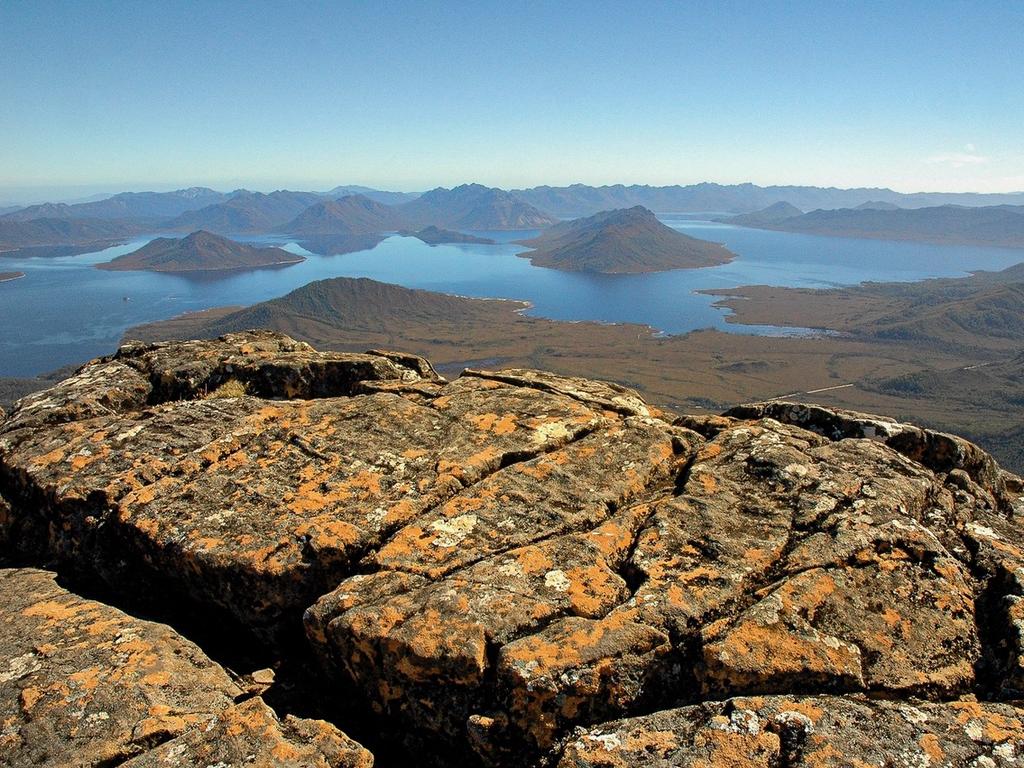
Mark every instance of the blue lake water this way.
pixel 65 311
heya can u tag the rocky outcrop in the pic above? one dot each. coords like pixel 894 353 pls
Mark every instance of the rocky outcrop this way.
pixel 806 732
pixel 82 683
pixel 499 564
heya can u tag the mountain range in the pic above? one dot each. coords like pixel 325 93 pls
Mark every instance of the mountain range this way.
pixel 627 240
pixel 473 206
pixel 582 200
pixel 126 205
pixel 865 212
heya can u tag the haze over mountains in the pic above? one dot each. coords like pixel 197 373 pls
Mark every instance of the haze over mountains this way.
pixel 377 195
pixel 582 200
pixel 126 205
pixel 869 212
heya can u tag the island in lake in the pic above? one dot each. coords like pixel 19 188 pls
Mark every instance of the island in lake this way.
pixel 200 252
pixel 628 240
pixel 436 236
pixel 7 276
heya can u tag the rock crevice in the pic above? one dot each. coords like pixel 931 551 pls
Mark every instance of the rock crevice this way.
pixel 499 564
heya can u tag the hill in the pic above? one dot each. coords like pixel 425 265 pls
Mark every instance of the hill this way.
pixel 199 252
pixel 377 195
pixel 58 231
pixel 435 236
pixel 981 312
pixel 621 241
pixel 1001 225
pixel 127 205
pixel 472 206
pixel 877 205
pixel 771 215
pixel 998 384
pixel 322 309
pixel 247 211
pixel 582 200
pixel 350 215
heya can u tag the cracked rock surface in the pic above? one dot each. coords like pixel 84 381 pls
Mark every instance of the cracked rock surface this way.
pixel 82 683
pixel 519 568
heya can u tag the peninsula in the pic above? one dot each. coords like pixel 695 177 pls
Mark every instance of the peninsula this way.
pixel 8 276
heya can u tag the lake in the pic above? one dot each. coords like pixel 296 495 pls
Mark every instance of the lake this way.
pixel 66 311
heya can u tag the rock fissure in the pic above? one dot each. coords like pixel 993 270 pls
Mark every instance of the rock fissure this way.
pixel 500 566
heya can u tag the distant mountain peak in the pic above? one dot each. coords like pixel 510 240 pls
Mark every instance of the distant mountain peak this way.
pixel 473 206
pixel 348 215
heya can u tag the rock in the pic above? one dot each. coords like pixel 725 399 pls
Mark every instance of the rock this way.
pixel 82 683
pixel 250 734
pixel 807 732
pixel 142 490
pixel 939 451
pixel 596 394
pixel 492 562
pixel 266 364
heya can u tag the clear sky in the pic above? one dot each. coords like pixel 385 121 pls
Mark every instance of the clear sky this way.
pixel 409 95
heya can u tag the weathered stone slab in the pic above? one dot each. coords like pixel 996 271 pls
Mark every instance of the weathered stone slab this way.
pixel 82 683
pixel 495 561
pixel 807 732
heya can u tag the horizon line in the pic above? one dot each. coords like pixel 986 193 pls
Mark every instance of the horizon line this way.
pixel 224 188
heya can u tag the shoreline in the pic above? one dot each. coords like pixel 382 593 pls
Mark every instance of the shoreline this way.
pixel 7 277
pixel 106 267
pixel 883 237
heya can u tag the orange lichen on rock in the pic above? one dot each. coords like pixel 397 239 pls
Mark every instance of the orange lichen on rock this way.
pixel 496 561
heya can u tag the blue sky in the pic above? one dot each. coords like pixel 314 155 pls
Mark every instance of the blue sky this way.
pixel 117 95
